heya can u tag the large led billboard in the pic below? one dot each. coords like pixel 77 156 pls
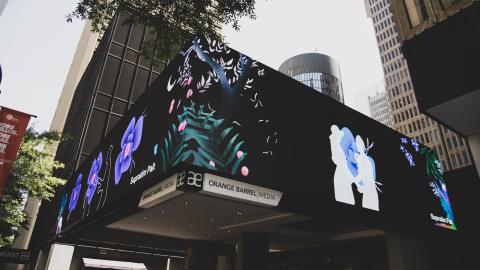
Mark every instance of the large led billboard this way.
pixel 220 111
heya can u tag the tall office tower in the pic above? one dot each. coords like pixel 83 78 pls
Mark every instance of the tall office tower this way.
pixel 452 149
pixel 440 41
pixel 319 71
pixel 380 108
pixel 115 77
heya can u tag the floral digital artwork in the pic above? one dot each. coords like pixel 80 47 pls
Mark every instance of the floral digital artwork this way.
pixel 354 166
pixel 75 194
pixel 129 143
pixel 404 143
pixel 93 178
pixel 439 189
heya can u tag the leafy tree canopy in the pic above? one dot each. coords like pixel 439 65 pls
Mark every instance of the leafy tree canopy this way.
pixel 31 175
pixel 172 20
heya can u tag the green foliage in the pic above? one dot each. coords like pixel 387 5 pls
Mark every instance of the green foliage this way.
pixel 171 20
pixel 203 141
pixel 434 169
pixel 31 175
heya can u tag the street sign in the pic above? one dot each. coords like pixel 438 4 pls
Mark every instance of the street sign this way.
pixel 13 255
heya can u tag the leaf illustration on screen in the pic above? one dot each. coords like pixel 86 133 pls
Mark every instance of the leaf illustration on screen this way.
pixel 437 184
pixel 202 140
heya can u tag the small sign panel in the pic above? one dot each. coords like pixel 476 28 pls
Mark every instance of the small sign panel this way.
pixel 228 188
pixel 13 255
pixel 160 192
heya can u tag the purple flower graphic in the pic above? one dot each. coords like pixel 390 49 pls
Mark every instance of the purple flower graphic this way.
pixel 92 180
pixel 130 142
pixel 75 194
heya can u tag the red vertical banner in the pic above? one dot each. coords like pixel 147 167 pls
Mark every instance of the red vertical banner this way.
pixel 12 128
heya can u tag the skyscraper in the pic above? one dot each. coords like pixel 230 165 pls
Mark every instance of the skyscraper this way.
pixel 319 71
pixel 380 108
pixel 451 148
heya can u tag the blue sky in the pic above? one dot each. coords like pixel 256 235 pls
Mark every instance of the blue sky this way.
pixel 37 46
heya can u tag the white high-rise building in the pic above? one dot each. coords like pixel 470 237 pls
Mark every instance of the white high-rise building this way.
pixel 380 108
pixel 407 119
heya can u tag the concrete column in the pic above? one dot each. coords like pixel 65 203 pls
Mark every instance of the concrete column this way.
pixel 474 142
pixel 407 253
pixel 59 257
pixel 252 252
pixel 201 255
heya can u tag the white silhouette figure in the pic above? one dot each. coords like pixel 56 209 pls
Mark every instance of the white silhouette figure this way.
pixel 343 178
pixel 365 180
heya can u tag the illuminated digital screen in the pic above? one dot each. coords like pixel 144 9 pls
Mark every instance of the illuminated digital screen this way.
pixel 219 110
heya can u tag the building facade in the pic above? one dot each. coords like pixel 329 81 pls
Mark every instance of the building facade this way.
pixel 319 71
pixel 95 99
pixel 379 105
pixel 415 16
pixel 451 148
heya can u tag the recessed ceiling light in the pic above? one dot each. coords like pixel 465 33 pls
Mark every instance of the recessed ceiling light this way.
pixel 186 203
pixel 211 219
pixel 144 218
pixel 162 211
pixel 209 235
pixel 229 231
pixel 239 212
pixel 189 225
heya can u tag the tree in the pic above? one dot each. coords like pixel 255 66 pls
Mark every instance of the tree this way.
pixel 171 20
pixel 31 175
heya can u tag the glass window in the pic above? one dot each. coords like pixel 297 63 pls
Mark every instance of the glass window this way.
pixel 454 140
pixel 141 82
pixel 447 3
pixel 440 150
pixel 144 61
pixel 136 35
pixel 121 33
pixel 465 157
pixel 119 107
pixel 94 130
pixel 116 49
pixel 109 75
pixel 131 56
pixel 125 81
pixel 454 161
pixel 449 143
pixel 459 158
pixel 102 102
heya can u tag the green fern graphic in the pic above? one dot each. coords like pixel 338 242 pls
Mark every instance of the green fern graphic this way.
pixel 203 141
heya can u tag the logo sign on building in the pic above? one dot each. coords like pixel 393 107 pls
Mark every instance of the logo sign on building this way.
pixel 12 255
pixel 12 128
pixel 228 188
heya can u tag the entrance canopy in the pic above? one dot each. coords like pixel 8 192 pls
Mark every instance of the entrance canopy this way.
pixel 219 133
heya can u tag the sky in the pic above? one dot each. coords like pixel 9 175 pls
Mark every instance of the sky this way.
pixel 37 46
